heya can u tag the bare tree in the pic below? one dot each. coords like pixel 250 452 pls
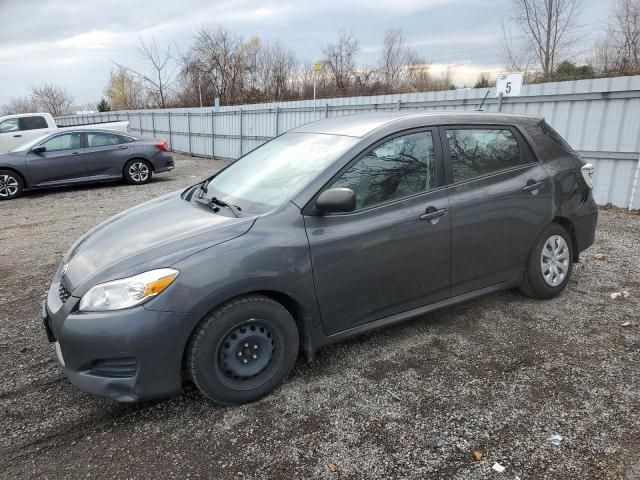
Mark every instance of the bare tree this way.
pixel 549 29
pixel 19 105
pixel 276 69
pixel 620 52
pixel 159 81
pixel 123 91
pixel 340 59
pixel 394 58
pixel 53 99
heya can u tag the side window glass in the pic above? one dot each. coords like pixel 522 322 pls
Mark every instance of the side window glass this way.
pixel 99 139
pixel 400 167
pixel 33 123
pixel 67 141
pixel 10 125
pixel 477 152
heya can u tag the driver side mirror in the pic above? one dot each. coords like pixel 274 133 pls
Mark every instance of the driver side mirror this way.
pixel 336 200
pixel 39 150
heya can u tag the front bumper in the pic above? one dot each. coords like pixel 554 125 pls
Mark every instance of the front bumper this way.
pixel 126 355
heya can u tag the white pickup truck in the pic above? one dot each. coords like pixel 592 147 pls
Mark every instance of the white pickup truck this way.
pixel 21 128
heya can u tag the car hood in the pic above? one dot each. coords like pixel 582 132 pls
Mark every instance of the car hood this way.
pixel 155 234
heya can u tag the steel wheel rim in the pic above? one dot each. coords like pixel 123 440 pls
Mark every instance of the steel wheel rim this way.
pixel 246 351
pixel 8 186
pixel 554 260
pixel 139 172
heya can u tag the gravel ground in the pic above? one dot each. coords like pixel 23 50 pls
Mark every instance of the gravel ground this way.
pixel 444 396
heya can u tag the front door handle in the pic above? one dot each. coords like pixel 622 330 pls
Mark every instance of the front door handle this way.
pixel 533 186
pixel 124 147
pixel 75 153
pixel 433 214
pixel 17 136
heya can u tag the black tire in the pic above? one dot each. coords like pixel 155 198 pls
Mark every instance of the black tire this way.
pixel 534 284
pixel 138 171
pixel 11 185
pixel 243 369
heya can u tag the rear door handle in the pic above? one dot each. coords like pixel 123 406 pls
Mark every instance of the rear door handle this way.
pixel 433 214
pixel 17 136
pixel 76 153
pixel 124 147
pixel 532 186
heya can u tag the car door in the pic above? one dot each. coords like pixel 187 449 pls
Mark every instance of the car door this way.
pixel 500 199
pixel 105 154
pixel 10 134
pixel 62 161
pixel 391 254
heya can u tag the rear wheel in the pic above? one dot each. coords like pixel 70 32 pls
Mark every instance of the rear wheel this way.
pixel 11 185
pixel 550 264
pixel 138 171
pixel 243 350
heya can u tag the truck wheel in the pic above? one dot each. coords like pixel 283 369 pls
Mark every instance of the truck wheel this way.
pixel 11 185
pixel 549 265
pixel 138 171
pixel 243 350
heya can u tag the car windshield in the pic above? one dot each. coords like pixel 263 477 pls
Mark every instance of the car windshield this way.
pixel 30 144
pixel 273 172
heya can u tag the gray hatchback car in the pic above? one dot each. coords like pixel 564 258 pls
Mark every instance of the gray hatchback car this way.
pixel 71 157
pixel 330 230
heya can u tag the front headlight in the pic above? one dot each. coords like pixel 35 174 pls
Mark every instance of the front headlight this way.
pixel 127 292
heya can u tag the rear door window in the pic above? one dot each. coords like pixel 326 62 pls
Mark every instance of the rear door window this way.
pixel 33 123
pixel 475 152
pixel 100 139
pixel 10 125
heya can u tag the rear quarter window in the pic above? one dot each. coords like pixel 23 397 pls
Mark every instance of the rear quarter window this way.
pixel 555 136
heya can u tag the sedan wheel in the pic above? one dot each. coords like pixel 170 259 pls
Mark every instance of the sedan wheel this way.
pixel 137 171
pixel 10 185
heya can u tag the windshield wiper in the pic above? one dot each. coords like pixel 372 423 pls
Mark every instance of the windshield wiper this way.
pixel 221 203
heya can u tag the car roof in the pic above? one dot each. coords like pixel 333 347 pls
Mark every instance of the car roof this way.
pixel 364 124
pixel 16 115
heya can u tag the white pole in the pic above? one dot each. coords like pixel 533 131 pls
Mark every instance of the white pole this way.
pixel 314 93
pixel 635 184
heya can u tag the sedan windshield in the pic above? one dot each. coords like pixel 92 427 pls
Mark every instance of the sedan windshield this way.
pixel 273 172
pixel 30 144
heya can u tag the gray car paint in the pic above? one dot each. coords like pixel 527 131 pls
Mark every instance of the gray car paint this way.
pixel 338 274
pixel 86 164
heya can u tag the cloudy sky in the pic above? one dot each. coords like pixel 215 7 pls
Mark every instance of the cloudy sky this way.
pixel 72 43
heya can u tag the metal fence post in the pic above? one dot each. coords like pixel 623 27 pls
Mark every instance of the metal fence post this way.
pixel 170 134
pixel 277 120
pixel 399 104
pixel 326 110
pixel 189 129
pixel 240 132
pixel 635 184
pixel 500 102
pixel 153 125
pixel 213 134
pixel 140 122
pixel 128 121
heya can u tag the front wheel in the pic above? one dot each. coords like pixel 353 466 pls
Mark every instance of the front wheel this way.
pixel 243 350
pixel 138 171
pixel 11 185
pixel 549 265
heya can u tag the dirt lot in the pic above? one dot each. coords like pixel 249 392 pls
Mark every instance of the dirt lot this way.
pixel 498 376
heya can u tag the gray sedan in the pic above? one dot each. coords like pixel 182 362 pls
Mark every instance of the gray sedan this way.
pixel 78 156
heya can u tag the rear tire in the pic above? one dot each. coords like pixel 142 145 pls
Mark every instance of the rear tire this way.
pixel 11 185
pixel 138 171
pixel 549 265
pixel 243 350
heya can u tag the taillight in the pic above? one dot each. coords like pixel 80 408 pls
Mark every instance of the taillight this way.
pixel 162 145
pixel 587 174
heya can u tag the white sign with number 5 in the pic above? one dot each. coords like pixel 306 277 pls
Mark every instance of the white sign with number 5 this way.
pixel 508 84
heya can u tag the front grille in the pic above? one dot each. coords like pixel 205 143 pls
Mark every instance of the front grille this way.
pixel 64 293
pixel 114 368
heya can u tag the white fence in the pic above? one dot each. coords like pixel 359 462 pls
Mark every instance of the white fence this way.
pixel 600 118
